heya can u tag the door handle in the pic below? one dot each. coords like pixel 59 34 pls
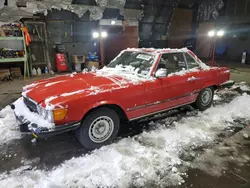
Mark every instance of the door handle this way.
pixel 190 79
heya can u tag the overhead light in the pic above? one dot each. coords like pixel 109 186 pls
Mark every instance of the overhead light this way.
pixel 95 35
pixel 220 33
pixel 113 22
pixel 104 34
pixel 211 33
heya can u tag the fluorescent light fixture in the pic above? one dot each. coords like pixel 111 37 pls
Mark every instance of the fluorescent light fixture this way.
pixel 95 35
pixel 104 34
pixel 113 22
pixel 211 33
pixel 220 33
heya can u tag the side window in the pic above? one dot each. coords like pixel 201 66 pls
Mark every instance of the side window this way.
pixel 173 62
pixel 191 62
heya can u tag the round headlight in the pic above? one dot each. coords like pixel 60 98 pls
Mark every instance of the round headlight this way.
pixel 39 109
pixel 44 113
pixel 50 116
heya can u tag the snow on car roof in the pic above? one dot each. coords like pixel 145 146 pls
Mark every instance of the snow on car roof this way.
pixel 163 50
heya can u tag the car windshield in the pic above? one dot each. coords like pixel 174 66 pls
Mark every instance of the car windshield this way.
pixel 139 62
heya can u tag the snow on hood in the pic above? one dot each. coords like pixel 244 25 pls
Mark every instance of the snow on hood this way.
pixel 86 84
pixel 151 158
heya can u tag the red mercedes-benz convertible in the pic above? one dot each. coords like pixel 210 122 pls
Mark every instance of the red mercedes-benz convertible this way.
pixel 136 84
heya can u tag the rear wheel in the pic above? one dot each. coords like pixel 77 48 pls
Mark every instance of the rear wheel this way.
pixel 205 99
pixel 99 128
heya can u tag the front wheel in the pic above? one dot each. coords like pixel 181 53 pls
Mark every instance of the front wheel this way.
pixel 99 128
pixel 205 99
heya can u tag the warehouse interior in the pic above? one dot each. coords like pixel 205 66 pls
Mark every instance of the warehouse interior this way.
pixel 54 57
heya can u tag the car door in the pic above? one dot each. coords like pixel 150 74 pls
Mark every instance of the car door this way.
pixel 198 77
pixel 172 90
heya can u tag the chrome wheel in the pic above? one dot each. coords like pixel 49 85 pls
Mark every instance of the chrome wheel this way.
pixel 206 96
pixel 101 129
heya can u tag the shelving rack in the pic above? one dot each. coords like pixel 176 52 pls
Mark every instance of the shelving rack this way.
pixel 18 59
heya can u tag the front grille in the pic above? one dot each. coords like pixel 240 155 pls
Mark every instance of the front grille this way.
pixel 30 104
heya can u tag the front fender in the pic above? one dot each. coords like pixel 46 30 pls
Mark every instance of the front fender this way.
pixel 103 103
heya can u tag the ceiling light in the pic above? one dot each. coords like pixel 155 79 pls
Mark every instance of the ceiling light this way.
pixel 113 22
pixel 95 35
pixel 104 34
pixel 211 33
pixel 220 33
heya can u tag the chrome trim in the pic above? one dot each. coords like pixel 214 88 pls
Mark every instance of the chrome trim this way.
pixel 167 109
pixel 30 99
pixel 163 101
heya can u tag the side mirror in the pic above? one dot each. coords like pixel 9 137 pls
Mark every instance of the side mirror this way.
pixel 161 73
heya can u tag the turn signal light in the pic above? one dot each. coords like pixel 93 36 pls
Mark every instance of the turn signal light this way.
pixel 59 114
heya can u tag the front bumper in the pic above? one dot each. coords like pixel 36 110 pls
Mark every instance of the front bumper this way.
pixel 228 83
pixel 43 132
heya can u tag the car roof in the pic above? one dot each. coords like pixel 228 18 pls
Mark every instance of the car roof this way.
pixel 157 51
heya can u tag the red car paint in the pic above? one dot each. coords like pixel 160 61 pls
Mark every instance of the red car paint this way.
pixel 136 100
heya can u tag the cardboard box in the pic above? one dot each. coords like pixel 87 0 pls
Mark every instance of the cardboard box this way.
pixel 91 64
pixel 78 59
pixel 15 72
pixel 2 33
pixel 4 74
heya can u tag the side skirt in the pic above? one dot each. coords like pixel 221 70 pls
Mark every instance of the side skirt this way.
pixel 167 109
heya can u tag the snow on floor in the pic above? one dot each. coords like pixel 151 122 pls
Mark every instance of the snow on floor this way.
pixel 151 158
pixel 8 126
pixel 242 85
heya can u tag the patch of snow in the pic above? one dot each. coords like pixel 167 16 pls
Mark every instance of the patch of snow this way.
pixel 245 88
pixel 129 74
pixel 151 158
pixel 53 83
pixel 9 129
pixel 25 92
pixel 22 110
pixel 47 103
pixel 30 86
pixel 48 100
pixel 242 85
pixel 184 71
pixel 217 98
pixel 245 135
pixel 72 74
pixel 72 93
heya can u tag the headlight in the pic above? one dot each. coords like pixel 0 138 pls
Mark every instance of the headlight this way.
pixel 46 114
pixel 50 116
pixel 39 109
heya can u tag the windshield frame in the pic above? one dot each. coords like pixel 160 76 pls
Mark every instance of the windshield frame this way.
pixel 155 58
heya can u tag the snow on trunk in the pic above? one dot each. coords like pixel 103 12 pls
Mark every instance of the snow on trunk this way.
pixel 151 158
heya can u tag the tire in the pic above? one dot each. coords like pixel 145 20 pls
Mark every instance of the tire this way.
pixel 99 128
pixel 205 99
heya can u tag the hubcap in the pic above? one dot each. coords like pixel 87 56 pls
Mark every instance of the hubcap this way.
pixel 206 97
pixel 101 129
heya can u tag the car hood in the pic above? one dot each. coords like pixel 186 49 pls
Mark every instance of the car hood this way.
pixel 77 83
